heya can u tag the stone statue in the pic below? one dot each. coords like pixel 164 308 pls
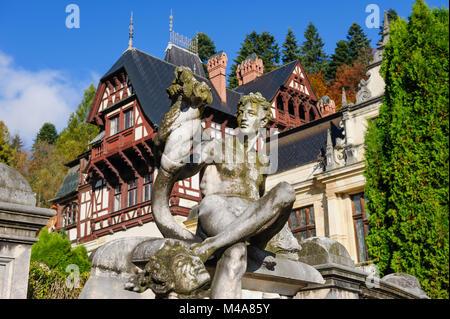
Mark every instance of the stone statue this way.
pixel 173 144
pixel 235 211
pixel 363 93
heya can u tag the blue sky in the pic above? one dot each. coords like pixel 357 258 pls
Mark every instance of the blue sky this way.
pixel 45 66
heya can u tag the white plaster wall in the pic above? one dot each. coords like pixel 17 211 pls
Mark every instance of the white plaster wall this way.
pixel 376 83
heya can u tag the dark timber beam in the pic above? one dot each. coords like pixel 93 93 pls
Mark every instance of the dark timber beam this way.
pixel 128 162
pixel 114 170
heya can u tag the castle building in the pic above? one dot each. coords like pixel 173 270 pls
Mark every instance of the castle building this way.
pixel 107 191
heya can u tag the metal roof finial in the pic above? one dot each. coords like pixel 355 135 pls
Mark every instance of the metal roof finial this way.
pixel 171 21
pixel 131 28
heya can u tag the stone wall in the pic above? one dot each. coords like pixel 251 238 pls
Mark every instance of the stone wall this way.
pixel 20 221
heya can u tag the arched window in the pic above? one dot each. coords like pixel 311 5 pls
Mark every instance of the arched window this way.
pixel 312 115
pixel 291 107
pixel 301 112
pixel 280 104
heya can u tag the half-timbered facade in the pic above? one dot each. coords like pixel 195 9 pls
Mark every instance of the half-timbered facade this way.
pixel 107 192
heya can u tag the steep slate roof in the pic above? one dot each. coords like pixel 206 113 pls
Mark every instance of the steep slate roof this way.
pixel 70 183
pixel 98 138
pixel 179 56
pixel 151 77
pixel 268 84
pixel 303 144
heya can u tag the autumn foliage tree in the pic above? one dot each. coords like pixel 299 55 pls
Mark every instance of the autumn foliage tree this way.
pixel 46 172
pixel 347 77
pixel 318 83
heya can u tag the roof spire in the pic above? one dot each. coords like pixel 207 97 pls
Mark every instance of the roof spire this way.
pixel 386 29
pixel 344 97
pixel 171 22
pixel 131 28
pixel 385 23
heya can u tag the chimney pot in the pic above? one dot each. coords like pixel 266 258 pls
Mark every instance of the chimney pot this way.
pixel 249 69
pixel 216 67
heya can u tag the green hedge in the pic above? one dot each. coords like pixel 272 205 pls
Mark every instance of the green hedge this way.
pixel 55 250
pixel 44 283
pixel 53 261
pixel 407 153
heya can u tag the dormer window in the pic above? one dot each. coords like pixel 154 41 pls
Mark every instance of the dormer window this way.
pixel 114 125
pixel 128 116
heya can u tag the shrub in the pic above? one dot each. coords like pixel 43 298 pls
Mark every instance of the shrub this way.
pixel 407 154
pixel 49 276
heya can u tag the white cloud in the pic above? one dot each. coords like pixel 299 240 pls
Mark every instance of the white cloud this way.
pixel 28 99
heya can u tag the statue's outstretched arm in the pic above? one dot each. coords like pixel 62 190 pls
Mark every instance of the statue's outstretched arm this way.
pixel 174 140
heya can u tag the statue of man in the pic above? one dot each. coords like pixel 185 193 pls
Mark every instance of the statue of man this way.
pixel 234 212
pixel 234 209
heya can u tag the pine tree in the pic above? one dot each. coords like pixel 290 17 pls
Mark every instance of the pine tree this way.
pixel 206 48
pixel 313 57
pixel 407 154
pixel 264 45
pixel 47 133
pixel 17 142
pixel 340 57
pixel 290 51
pixel 356 40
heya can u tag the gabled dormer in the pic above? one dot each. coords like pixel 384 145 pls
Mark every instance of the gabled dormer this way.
pixel 288 90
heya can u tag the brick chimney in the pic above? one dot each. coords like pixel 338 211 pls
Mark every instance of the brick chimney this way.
pixel 216 67
pixel 326 106
pixel 249 69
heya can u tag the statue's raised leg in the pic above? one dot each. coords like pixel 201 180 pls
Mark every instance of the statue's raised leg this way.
pixel 260 220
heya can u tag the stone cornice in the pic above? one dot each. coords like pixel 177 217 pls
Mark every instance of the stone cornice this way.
pixel 20 223
pixel 341 172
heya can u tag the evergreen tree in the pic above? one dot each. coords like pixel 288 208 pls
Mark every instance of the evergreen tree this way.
pixel 290 51
pixel 356 40
pixel 340 57
pixel 49 272
pixel 17 142
pixel 56 252
pixel 264 45
pixel 206 48
pixel 7 152
pixel 313 58
pixel 74 139
pixel 408 154
pixel 392 15
pixel 47 133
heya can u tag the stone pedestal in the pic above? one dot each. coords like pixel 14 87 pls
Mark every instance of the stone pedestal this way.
pixel 116 261
pixel 324 271
pixel 345 281
pixel 20 221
